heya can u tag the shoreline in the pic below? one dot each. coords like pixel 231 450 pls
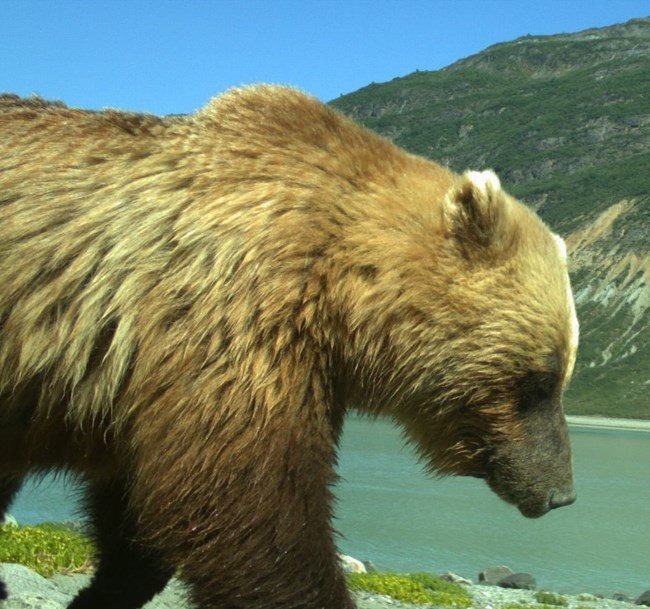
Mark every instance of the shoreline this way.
pixel 600 422
pixel 27 588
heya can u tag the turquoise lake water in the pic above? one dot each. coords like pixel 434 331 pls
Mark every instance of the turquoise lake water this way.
pixel 390 512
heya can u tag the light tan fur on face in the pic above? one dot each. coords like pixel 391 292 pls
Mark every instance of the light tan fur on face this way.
pixel 575 327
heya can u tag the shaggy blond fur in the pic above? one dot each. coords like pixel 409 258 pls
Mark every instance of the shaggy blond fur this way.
pixel 190 304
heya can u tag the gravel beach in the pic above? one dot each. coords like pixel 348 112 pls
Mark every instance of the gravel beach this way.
pixel 28 590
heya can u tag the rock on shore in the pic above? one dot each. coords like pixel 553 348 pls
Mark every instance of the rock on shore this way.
pixel 28 590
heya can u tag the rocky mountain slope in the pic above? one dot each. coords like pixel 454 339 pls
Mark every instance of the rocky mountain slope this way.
pixel 565 121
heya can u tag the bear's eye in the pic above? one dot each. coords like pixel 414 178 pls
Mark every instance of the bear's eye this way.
pixel 536 387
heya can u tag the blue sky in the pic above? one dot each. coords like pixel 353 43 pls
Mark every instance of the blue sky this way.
pixel 169 56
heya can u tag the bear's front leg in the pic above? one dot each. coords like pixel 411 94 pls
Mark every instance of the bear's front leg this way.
pixel 245 510
pixel 305 575
pixel 270 548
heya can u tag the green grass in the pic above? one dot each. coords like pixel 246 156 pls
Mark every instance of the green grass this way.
pixel 550 598
pixel 52 548
pixel 415 588
pixel 46 549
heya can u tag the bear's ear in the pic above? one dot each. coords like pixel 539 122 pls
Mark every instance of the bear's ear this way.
pixel 474 210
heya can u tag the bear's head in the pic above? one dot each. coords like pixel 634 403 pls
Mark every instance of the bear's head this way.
pixel 463 329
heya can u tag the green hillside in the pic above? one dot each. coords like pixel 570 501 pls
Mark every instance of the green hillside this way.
pixel 565 122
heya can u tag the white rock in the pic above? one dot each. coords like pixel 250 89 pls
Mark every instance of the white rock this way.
pixel 352 565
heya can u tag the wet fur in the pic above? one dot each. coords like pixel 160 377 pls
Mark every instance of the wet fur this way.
pixel 190 304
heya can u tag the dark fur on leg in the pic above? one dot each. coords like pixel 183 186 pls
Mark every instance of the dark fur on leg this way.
pixel 9 486
pixel 129 574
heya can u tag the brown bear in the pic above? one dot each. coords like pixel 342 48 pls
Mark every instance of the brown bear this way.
pixel 189 305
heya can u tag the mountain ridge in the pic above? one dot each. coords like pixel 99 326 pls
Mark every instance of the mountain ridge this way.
pixel 565 121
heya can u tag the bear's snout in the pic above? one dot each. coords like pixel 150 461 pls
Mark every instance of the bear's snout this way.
pixel 533 503
pixel 535 474
pixel 556 498
pixel 561 497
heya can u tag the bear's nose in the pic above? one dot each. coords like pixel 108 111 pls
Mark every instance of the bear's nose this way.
pixel 561 498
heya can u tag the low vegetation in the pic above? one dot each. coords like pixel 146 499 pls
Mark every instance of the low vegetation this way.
pixel 550 598
pixel 46 549
pixel 415 588
pixel 54 548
